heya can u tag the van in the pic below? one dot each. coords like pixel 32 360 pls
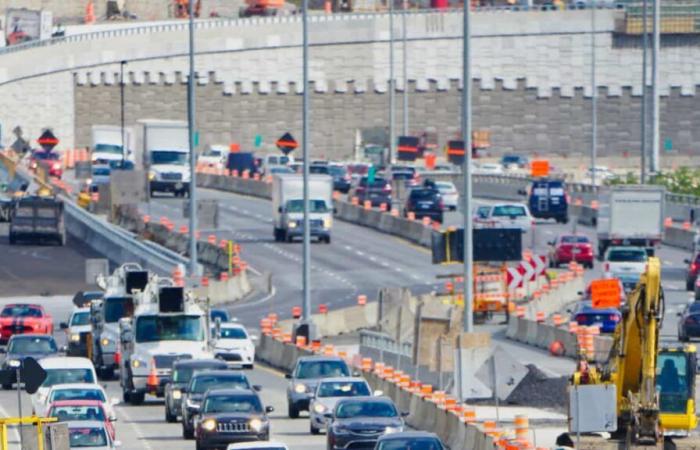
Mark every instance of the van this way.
pixel 548 200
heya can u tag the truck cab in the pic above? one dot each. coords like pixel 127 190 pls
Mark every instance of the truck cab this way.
pixel 165 154
pixel 548 200
pixel 288 207
pixel 167 326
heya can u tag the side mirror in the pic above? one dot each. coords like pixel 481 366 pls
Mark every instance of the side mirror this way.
pixel 63 349
pixel 378 393
pixel 288 376
pixel 114 401
pixel 551 242
pixel 254 338
pixel 113 419
pixel 404 413
pixel 64 326
pixel 269 409
pixel 522 192
pixel 328 415
pixel 579 293
pixel 2 351
pixel 335 210
pixel 280 209
pixel 356 374
pixel 687 261
pixel 257 387
pixel 679 313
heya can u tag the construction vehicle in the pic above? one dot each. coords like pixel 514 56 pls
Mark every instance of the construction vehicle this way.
pixel 37 218
pixel 105 314
pixel 168 325
pixel 263 8
pixel 655 387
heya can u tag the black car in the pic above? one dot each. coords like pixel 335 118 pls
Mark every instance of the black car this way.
pixel 377 192
pixel 425 203
pixel 182 373
pixel 199 384
pixel 358 422
pixel 689 322
pixel 231 415
pixel 21 346
pixel 341 178
pixel 410 440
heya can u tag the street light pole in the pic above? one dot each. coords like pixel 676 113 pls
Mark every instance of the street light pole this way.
pixel 405 69
pixel 645 51
pixel 121 103
pixel 193 156
pixel 594 97
pixel 306 310
pixel 656 43
pixel 392 86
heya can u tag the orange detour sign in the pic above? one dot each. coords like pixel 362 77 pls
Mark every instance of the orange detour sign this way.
pixel 605 293
pixel 539 168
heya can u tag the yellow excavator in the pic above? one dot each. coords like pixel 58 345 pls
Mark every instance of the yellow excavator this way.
pixel 655 386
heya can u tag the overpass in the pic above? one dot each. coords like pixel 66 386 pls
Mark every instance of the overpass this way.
pixel 531 77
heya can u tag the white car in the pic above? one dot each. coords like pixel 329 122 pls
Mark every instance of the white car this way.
pixel 92 435
pixel 626 264
pixel 489 169
pixel 449 194
pixel 62 370
pixel 215 156
pixel 78 324
pixel 233 344
pixel 260 445
pixel 504 215
pixel 75 391
pixel 328 392
pixel 602 173
pixel 276 160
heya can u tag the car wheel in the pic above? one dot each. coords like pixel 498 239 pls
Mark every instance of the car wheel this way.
pixel 292 411
pixel 126 396
pixel 328 240
pixel 313 429
pixel 137 398
pixel 170 418
pixel 689 285
pixel 682 338
pixel 7 387
pixel 199 446
pixel 187 433
pixel 249 366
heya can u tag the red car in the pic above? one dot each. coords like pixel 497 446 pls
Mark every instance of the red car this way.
pixel 51 161
pixel 76 410
pixel 570 247
pixel 22 318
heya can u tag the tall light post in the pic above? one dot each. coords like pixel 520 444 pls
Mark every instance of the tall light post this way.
pixel 121 104
pixel 392 86
pixel 193 156
pixel 405 69
pixel 645 52
pixel 594 96
pixel 656 43
pixel 306 309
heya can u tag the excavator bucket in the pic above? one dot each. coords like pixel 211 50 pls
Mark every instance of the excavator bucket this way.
pixel 675 383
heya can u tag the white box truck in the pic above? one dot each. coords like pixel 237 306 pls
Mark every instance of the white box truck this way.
pixel 163 153
pixel 107 144
pixel 631 215
pixel 288 206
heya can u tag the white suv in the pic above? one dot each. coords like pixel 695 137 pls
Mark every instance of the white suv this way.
pixel 233 344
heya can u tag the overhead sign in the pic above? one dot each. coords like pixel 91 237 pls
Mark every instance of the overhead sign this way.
pixel 455 152
pixel 287 143
pixel 48 140
pixel 539 168
pixel 407 148
pixel 605 293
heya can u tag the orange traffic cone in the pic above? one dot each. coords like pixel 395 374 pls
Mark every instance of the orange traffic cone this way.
pixel 152 381
pixel 90 12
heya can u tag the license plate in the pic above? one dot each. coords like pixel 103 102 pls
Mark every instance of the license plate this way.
pixel 178 185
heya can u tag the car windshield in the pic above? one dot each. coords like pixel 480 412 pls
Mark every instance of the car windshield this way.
pixel 413 443
pixel 315 206
pixel 20 311
pixel 80 318
pixel 201 383
pixel 322 369
pixel 118 307
pixel 574 240
pixel 337 171
pixel 627 255
pixel 378 183
pixel 64 376
pixel 509 211
pixel 319 170
pixel 108 148
pixel 445 187
pixel 169 328
pixel 87 437
pixel 101 171
pixel 25 345
pixel 168 157
pixel 66 413
pixel 213 153
pixel 232 404
pixel 183 374
pixel 232 333
pixel 421 195
pixel 365 408
pixel 77 394
pixel 343 389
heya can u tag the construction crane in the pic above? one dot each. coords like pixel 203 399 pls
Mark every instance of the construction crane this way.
pixel 655 386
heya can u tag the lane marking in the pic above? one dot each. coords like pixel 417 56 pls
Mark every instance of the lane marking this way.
pixel 137 430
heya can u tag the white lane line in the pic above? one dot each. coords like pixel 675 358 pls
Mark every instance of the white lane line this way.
pixel 265 299
pixel 137 430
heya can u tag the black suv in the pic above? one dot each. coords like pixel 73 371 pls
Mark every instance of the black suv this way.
pixel 425 202
pixel 182 373
pixel 377 192
pixel 198 386
pixel 231 415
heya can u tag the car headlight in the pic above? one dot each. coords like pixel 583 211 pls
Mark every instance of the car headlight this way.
pixel 177 394
pixel 319 408
pixel 390 430
pixel 292 224
pixel 152 175
pixel 75 337
pixel 339 429
pixel 14 363
pixel 327 222
pixel 136 363
pixel 105 342
pixel 299 388
pixel 256 425
pixel 209 425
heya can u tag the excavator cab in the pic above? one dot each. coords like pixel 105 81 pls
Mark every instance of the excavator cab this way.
pixel 675 383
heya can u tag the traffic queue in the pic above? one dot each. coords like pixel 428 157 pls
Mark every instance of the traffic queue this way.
pixel 161 341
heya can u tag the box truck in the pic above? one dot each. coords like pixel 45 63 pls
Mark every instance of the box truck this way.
pixel 108 145
pixel 163 153
pixel 288 206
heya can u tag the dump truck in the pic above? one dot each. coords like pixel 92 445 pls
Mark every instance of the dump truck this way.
pixel 37 219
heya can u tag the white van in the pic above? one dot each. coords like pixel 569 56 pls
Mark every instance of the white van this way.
pixel 63 370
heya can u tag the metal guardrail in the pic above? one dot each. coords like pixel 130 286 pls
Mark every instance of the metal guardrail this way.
pixel 385 343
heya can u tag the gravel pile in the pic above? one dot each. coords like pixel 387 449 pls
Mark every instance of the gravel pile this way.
pixel 540 391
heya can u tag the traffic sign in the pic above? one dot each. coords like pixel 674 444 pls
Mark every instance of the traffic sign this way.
pixel 529 270
pixel 540 264
pixel 286 143
pixel 514 278
pixel 605 293
pixel 48 140
pixel 539 168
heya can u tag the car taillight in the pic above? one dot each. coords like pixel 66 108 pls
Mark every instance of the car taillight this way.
pixel 387 188
pixel 360 189
pixel 441 205
pixel 117 357
pixel 606 267
pixel 614 317
pixel 693 267
pixel 56 166
pixel 581 319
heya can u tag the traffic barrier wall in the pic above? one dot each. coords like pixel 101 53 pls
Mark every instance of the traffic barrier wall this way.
pixel 341 321
pixel 678 237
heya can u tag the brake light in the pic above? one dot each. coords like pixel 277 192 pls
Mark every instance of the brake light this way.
pixel 387 188
pixel 614 317
pixel 360 189
pixel 606 267
pixel 581 319
pixel 693 267
pixel 117 357
pixel 56 166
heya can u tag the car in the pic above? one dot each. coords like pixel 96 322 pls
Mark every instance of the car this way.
pixel 319 169
pixel 22 318
pixel 79 410
pixel 229 416
pixel 692 273
pixel 233 344
pixel 82 299
pixel 358 170
pixel 358 422
pixel 199 384
pixel 571 247
pixel 408 174
pixel 504 215
pixel 21 346
pixel 275 160
pixel 488 169
pixel 625 263
pixel 90 435
pixel 689 322
pixel 409 440
pixel 258 445
pixel 602 173
pixel 100 174
pixel 548 200
pixel 274 170
pixel 606 318
pixel 328 393
pixel 73 391
pixel 424 202
pixel 63 370
pixel 219 315
pixel 77 329
pixel 449 194
pixel 513 162
pixel 377 192
pixel 342 181
pixel 214 156
pixel 307 373
pixel 182 373
pixel 49 160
